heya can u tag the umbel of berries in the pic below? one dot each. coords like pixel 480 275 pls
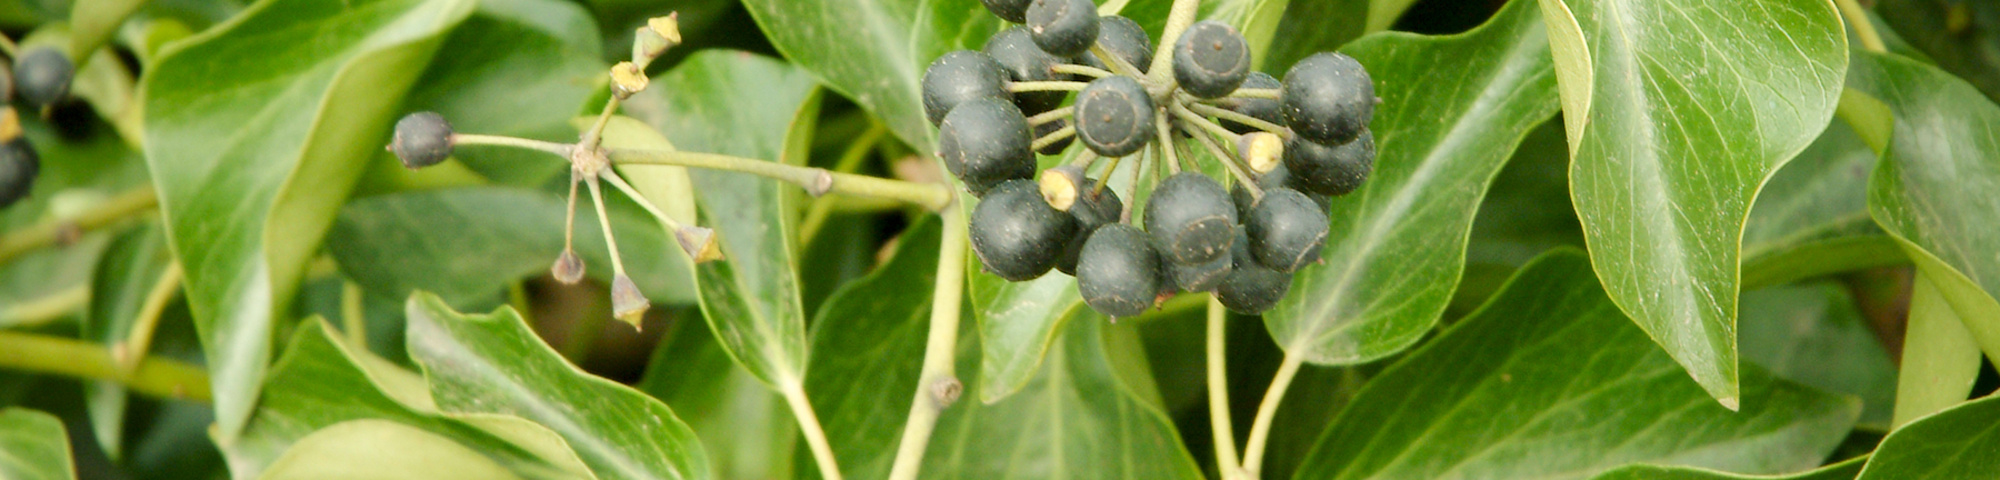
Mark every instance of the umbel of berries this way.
pixel 1213 179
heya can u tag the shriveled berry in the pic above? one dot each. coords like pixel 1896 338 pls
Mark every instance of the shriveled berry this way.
pixel 1016 51
pixel 18 167
pixel 1266 109
pixel 1010 10
pixel 422 139
pixel 985 142
pixel 1125 39
pixel 1279 177
pixel 1328 98
pixel 1016 234
pixel 1118 272
pixel 43 75
pixel 1330 170
pixel 1064 28
pixel 1057 147
pixel 1211 59
pixel 1286 230
pixel 1114 116
pixel 1190 218
pixel 960 77
pixel 1201 278
pixel 1250 288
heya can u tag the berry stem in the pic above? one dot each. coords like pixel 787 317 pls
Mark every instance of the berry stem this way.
pixel 132 202
pixel 795 397
pixel 1045 86
pixel 559 149
pixel 618 182
pixel 1260 430
pixel 1117 63
pixel 1166 141
pixel 1235 116
pixel 1218 393
pixel 1084 70
pixel 1178 19
pixel 1864 28
pixel 1230 163
pixel 155 376
pixel 139 341
pixel 1056 136
pixel 938 378
pixel 1060 113
pixel 816 181
pixel 595 134
pixel 1108 171
pixel 569 218
pixel 45 309
pixel 850 160
pixel 1190 117
pixel 1263 93
pixel 604 221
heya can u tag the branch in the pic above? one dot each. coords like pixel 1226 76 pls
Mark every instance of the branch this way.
pixel 129 203
pixel 155 376
pixel 938 385
pixel 1253 452
pixel 816 181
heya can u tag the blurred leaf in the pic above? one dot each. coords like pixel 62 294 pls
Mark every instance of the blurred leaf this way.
pixel 1933 189
pixel 1812 334
pixel 1453 108
pixel 1961 36
pixel 743 425
pixel 93 22
pixel 1839 471
pixel 492 364
pixel 35 446
pixel 1940 362
pixel 390 450
pixel 1550 380
pixel 132 265
pixel 1676 114
pixel 736 103
pixel 874 52
pixel 80 170
pixel 1955 443
pixel 1811 217
pixel 320 382
pixel 255 133
pixel 1313 26
pixel 468 244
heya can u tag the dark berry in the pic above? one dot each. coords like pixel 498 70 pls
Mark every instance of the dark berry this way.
pixel 43 76
pixel 1066 188
pixel 1025 62
pixel 1286 230
pixel 1118 272
pixel 422 139
pixel 985 142
pixel 1250 288
pixel 1211 59
pixel 18 162
pixel 960 77
pixel 1330 170
pixel 1064 28
pixel 1057 147
pixel 1010 10
pixel 1125 39
pixel 1190 217
pixel 1265 109
pixel 1201 278
pixel 1114 116
pixel 1328 98
pixel 1016 234
pixel 1279 177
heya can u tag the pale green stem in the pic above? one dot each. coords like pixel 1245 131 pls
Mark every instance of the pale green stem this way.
pixel 46 309
pixel 1864 28
pixel 353 313
pixel 849 162
pixel 1263 93
pixel 1056 136
pixel 139 342
pixel 1178 19
pixel 1084 70
pixel 1234 116
pixel 124 205
pixel 1045 86
pixel 816 181
pixel 1230 163
pixel 795 396
pixel 155 376
pixel 559 149
pixel 1218 392
pixel 1260 430
pixel 1052 115
pixel 938 386
pixel 1940 359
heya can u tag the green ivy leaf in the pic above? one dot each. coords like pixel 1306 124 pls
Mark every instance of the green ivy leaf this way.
pixel 1676 114
pixel 745 427
pixel 1018 321
pixel 1955 443
pixel 1934 186
pixel 1310 27
pixel 1811 218
pixel 255 132
pixel 381 449
pixel 494 365
pixel 36 446
pixel 132 264
pixel 1550 380
pixel 1839 471
pixel 1813 334
pixel 1453 109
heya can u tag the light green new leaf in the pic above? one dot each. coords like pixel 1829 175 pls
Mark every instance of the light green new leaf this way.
pixel 737 103
pixel 1453 109
pixel 33 446
pixel 1549 380
pixel 1677 113
pixel 874 52
pixel 383 450
pixel 493 364
pixel 1934 188
pixel 1840 471
pixel 132 264
pixel 255 132
pixel 1952 444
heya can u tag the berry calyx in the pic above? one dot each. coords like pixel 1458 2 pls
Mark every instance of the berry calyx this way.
pixel 1016 234
pixel 985 142
pixel 960 77
pixel 1328 98
pixel 1286 230
pixel 1114 116
pixel 1211 59
pixel 1190 218
pixel 1328 170
pixel 1064 28
pixel 422 139
pixel 1118 272
pixel 43 75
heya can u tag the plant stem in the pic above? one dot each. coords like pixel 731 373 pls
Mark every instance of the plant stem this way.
pixel 1260 430
pixel 1045 86
pixel 850 160
pixel 139 342
pixel 816 181
pixel 353 314
pixel 126 204
pixel 1229 162
pixel 1056 136
pixel 938 385
pixel 1234 116
pixel 1178 20
pixel 1117 63
pixel 155 376
pixel 1864 28
pixel 795 396
pixel 45 309
pixel 1218 393
pixel 1940 359
pixel 1052 115
pixel 1263 93
pixel 1084 70
pixel 559 149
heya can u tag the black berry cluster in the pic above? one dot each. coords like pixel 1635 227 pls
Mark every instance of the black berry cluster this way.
pixel 42 76
pixel 1066 75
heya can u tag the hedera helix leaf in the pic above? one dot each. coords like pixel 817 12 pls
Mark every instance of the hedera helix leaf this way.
pixel 1955 443
pixel 255 132
pixel 1549 380
pixel 36 446
pixel 119 287
pixel 1844 470
pixel 1934 187
pixel 392 451
pixel 1453 109
pixel 1677 113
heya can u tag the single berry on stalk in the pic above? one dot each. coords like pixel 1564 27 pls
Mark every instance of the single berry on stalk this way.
pixel 1010 10
pixel 1190 218
pixel 960 77
pixel 1114 116
pixel 1328 98
pixel 1123 38
pixel 1250 288
pixel 43 75
pixel 985 142
pixel 1211 59
pixel 1328 170
pixel 1266 109
pixel 1064 28
pixel 422 139
pixel 1025 62
pixel 1016 234
pixel 1118 272
pixel 1286 230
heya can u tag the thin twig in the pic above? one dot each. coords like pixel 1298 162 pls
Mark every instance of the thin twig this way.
pixel 1253 453
pixel 130 203
pixel 938 386
pixel 155 376
pixel 795 397
pixel 1235 116
pixel 1218 392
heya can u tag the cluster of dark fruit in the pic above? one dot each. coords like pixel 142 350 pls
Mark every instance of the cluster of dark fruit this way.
pixel 1296 142
pixel 42 76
